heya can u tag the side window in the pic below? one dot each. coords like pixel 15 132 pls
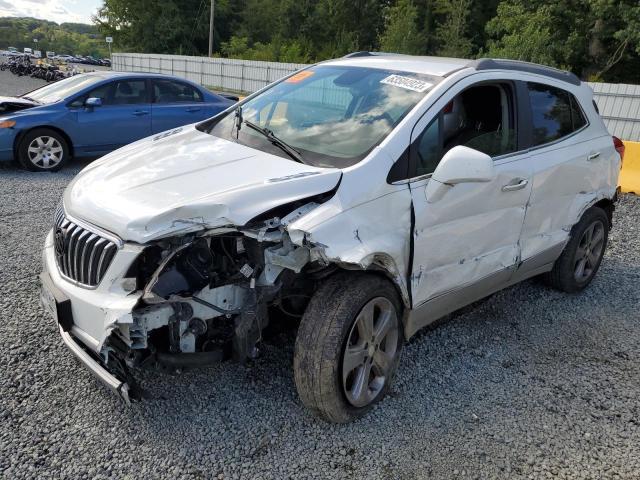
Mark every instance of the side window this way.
pixel 102 92
pixel 169 91
pixel 129 92
pixel 555 113
pixel 481 117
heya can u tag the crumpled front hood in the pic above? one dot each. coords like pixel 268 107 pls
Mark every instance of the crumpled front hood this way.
pixel 14 104
pixel 187 180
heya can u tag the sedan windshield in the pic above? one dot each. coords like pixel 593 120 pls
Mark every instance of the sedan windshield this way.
pixel 332 116
pixel 55 92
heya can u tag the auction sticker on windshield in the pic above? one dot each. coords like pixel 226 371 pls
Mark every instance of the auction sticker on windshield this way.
pixel 407 83
pixel 300 76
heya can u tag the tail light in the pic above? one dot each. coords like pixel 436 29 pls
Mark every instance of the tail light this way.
pixel 619 146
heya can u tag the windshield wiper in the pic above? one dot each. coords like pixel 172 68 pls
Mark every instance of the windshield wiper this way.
pixel 30 99
pixel 285 147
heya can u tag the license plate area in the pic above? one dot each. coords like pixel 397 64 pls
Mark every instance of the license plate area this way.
pixel 56 303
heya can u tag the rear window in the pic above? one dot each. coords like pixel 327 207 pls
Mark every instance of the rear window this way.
pixel 555 113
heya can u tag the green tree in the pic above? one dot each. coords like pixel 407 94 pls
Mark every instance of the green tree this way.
pixel 451 32
pixel 596 39
pixel 521 34
pixel 402 34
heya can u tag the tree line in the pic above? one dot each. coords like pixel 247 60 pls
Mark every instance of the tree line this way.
pixel 67 38
pixel 596 39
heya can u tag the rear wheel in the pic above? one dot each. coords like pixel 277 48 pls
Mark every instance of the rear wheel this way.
pixel 43 150
pixel 348 346
pixel 582 256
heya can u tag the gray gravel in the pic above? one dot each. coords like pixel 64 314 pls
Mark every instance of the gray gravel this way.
pixel 530 383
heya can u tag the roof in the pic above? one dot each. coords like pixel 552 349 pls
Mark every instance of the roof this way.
pixel 111 74
pixel 442 66
pixel 436 66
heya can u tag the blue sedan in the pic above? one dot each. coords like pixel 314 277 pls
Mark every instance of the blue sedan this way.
pixel 92 114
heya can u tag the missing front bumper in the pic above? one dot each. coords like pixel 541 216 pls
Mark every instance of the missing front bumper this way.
pixel 120 388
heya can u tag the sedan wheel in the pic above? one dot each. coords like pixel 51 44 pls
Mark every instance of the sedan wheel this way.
pixel 45 152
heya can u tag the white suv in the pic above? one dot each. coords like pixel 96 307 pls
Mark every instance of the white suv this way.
pixel 364 197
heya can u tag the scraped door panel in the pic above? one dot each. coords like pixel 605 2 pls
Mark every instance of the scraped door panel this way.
pixel 565 181
pixel 471 233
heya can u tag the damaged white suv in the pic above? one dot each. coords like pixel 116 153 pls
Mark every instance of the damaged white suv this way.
pixel 368 196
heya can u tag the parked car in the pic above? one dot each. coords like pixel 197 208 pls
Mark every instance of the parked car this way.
pixel 368 196
pixel 95 113
pixel 63 57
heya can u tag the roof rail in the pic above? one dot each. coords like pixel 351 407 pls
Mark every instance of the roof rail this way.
pixel 368 54
pixel 504 64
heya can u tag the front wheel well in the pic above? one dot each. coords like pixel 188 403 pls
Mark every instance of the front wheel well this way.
pixel 62 133
pixel 378 271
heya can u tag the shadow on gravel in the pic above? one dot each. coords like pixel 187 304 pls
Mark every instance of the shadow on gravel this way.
pixel 76 164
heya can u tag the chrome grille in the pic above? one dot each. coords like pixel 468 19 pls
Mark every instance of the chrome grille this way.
pixel 81 255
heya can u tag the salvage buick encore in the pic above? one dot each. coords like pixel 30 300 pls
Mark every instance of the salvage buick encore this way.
pixel 368 195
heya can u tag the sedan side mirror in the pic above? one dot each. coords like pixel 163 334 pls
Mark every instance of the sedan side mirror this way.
pixel 459 165
pixel 93 102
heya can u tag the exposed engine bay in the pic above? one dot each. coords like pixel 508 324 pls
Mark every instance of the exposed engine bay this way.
pixel 207 297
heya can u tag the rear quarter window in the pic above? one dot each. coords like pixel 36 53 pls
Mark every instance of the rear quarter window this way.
pixel 555 113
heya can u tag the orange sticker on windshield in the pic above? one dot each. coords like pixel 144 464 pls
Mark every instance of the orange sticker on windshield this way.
pixel 300 76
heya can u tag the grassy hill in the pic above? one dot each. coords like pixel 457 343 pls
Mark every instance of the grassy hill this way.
pixel 69 38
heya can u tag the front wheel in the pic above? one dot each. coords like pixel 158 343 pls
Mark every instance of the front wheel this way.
pixel 583 254
pixel 43 150
pixel 348 346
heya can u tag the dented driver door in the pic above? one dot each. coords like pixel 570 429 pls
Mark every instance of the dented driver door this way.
pixel 465 243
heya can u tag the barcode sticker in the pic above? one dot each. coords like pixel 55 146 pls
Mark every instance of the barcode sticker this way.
pixel 407 83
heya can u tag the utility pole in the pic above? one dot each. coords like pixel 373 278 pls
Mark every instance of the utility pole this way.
pixel 211 29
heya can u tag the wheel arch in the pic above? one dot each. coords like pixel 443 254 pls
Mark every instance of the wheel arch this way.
pixel 380 268
pixel 58 130
pixel 608 205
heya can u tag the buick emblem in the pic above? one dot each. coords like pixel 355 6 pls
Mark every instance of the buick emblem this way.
pixel 59 242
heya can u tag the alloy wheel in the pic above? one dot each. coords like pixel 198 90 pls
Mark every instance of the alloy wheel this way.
pixel 589 251
pixel 370 353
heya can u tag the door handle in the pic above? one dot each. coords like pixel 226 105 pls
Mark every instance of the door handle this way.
pixel 139 113
pixel 593 156
pixel 512 187
pixel 193 109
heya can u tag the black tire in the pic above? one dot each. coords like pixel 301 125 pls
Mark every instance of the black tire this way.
pixel 45 136
pixel 327 327
pixel 565 274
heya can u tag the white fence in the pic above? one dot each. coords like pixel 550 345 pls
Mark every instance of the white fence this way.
pixel 619 104
pixel 221 73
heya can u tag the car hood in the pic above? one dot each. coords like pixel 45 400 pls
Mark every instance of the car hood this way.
pixel 186 180
pixel 14 104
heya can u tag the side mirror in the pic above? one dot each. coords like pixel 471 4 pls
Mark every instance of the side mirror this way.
pixel 93 102
pixel 459 165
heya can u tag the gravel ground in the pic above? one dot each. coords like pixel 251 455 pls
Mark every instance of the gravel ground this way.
pixel 530 383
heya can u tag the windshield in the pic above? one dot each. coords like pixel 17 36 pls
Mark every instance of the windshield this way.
pixel 333 116
pixel 55 92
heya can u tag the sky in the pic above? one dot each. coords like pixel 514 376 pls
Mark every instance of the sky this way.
pixel 56 10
